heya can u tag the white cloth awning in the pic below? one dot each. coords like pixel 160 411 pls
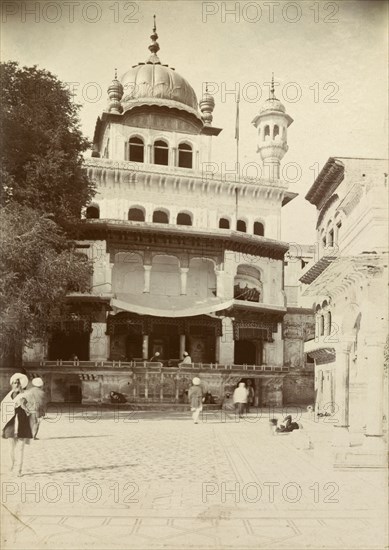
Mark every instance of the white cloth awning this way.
pixel 168 306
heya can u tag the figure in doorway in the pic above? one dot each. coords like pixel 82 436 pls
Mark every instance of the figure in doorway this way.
pixel 195 396
pixel 187 360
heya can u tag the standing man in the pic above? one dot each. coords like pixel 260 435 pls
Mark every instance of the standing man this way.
pixel 240 398
pixel 36 404
pixel 195 396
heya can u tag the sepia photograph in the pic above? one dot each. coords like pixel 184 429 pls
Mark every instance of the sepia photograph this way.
pixel 194 349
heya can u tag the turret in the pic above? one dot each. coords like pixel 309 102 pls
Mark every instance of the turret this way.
pixel 115 94
pixel 207 105
pixel 272 123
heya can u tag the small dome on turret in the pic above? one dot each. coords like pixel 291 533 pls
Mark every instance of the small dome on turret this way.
pixel 115 94
pixel 272 104
pixel 207 105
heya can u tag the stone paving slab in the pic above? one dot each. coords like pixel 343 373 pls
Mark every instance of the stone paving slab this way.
pixel 152 481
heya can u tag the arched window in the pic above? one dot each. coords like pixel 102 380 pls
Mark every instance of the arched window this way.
pixel 276 131
pixel 224 223
pixel 184 219
pixel 259 229
pixel 136 149
pixel 161 153
pixel 160 216
pixel 136 215
pixel 267 132
pixel 185 156
pixel 93 212
pixel 241 226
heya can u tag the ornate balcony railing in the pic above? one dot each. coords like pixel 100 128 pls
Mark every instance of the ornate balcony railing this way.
pixel 145 366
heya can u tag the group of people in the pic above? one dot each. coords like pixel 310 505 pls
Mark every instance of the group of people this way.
pixel 186 360
pixel 243 398
pixel 22 410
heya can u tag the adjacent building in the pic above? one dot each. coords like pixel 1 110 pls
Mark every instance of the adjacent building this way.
pixel 348 284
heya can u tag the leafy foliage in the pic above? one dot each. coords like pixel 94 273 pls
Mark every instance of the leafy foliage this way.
pixel 43 188
pixel 41 144
pixel 38 267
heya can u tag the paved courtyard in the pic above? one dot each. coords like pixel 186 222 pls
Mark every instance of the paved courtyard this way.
pixel 100 478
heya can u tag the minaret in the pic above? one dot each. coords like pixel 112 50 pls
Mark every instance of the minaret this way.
pixel 272 123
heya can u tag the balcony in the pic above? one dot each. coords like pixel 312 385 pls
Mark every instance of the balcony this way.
pixel 145 366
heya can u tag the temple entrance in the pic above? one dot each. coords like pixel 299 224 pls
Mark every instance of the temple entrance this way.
pixel 245 352
pixel 166 341
pixel 64 345
pixel 201 345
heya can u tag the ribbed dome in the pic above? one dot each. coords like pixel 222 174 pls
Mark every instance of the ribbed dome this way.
pixel 272 104
pixel 155 81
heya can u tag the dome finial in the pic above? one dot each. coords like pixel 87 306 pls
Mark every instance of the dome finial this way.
pixel 116 74
pixel 154 46
pixel 272 95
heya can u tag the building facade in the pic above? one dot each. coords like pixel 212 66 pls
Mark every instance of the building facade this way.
pixel 348 283
pixel 183 258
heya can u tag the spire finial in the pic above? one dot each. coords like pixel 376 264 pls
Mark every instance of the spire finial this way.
pixel 272 96
pixel 116 74
pixel 154 47
pixel 206 87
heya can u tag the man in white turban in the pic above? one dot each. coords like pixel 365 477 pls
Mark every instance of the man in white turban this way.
pixel 195 396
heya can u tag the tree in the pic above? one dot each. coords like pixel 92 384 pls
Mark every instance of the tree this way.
pixel 39 266
pixel 41 144
pixel 44 187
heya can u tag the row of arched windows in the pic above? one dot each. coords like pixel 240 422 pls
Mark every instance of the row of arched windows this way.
pixel 138 214
pixel 135 151
pixel 273 132
pixel 323 319
pixel 241 225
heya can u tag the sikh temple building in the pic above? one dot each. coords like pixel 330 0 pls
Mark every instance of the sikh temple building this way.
pixel 348 284
pixel 184 260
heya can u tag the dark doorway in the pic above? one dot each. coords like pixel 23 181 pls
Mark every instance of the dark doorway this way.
pixel 166 341
pixel 245 352
pixel 74 394
pixel 134 343
pixel 63 345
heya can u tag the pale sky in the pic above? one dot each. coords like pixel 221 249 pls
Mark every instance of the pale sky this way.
pixel 322 51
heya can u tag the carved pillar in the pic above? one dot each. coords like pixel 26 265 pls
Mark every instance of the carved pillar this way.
pixel 375 394
pixel 342 368
pixel 183 279
pixel 149 154
pixel 146 385
pixel 161 388
pixel 227 343
pixel 219 283
pixel 145 347
pixel 182 345
pixel 217 348
pixel 147 275
pixel 98 347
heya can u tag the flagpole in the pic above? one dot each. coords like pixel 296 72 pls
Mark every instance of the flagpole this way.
pixel 237 152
